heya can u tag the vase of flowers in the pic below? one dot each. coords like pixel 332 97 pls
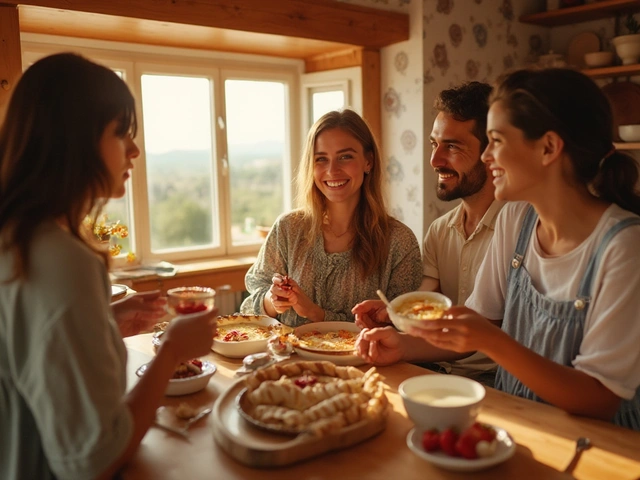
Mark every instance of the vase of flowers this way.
pixel 108 233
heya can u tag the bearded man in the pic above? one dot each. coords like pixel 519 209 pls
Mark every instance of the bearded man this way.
pixel 455 244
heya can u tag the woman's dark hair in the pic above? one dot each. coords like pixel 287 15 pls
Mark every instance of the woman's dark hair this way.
pixel 469 101
pixel 50 162
pixel 572 105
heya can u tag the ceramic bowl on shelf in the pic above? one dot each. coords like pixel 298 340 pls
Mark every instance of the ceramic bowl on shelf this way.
pixel 629 133
pixel 598 59
pixel 628 48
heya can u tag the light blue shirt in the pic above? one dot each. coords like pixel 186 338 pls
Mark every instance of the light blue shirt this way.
pixel 62 365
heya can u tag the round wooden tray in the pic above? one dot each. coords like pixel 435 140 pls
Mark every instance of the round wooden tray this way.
pixel 257 447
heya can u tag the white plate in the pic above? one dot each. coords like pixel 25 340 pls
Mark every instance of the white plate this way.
pixel 185 386
pixel 339 358
pixel 242 349
pixel 117 290
pixel 505 450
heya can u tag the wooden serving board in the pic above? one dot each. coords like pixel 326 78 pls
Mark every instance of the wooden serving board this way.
pixel 255 447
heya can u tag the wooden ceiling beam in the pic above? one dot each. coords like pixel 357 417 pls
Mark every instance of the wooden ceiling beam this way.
pixel 327 20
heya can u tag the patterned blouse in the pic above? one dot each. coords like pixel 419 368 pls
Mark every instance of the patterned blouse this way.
pixel 330 280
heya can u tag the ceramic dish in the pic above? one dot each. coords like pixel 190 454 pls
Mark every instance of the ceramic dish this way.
pixel 505 450
pixel 185 386
pixel 579 45
pixel 240 349
pixel 120 293
pixel 404 301
pixel 338 357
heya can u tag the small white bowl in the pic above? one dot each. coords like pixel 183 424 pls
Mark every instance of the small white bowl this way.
pixel 185 386
pixel 402 322
pixel 629 133
pixel 598 59
pixel 441 401
pixel 247 347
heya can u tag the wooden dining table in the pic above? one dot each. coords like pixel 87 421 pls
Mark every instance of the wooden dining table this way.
pixel 545 439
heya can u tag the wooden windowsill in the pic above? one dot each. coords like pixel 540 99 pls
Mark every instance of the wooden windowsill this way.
pixel 211 273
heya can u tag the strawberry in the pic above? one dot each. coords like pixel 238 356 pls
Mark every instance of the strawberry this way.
pixel 484 432
pixel 431 440
pixel 466 444
pixel 477 440
pixel 448 439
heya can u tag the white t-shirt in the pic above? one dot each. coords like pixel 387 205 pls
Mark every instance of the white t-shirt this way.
pixel 609 351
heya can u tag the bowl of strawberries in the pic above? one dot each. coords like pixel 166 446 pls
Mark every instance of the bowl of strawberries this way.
pixel 477 447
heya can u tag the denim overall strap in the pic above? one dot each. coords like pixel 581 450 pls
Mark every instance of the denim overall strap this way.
pixel 528 224
pixel 628 414
pixel 552 328
pixel 590 273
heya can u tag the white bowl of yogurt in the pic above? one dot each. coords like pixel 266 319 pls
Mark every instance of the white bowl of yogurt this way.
pixel 441 401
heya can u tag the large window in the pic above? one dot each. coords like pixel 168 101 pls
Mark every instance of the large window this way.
pixel 216 134
pixel 256 142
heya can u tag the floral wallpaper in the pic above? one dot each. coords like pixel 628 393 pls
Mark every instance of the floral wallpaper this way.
pixel 451 41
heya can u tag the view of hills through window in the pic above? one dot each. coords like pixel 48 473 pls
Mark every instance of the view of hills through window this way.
pixel 180 193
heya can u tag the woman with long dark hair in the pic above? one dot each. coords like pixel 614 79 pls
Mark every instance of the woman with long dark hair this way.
pixel 66 147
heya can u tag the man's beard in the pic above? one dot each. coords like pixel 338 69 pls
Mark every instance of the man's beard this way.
pixel 469 183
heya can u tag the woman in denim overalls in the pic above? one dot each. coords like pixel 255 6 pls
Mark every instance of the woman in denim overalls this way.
pixel 562 277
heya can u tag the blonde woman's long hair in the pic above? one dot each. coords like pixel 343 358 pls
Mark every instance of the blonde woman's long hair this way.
pixel 371 222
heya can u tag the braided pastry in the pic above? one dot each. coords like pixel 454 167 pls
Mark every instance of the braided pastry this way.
pixel 294 369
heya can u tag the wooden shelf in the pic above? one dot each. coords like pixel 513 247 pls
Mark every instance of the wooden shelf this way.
pixel 611 72
pixel 627 145
pixel 582 13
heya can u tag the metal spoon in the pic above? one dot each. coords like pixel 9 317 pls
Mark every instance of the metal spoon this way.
pixel 383 297
pixel 582 444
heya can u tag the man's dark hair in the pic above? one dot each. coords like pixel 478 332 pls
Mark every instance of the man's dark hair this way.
pixel 469 101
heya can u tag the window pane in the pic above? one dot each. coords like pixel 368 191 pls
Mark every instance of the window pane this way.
pixel 323 102
pixel 178 146
pixel 255 139
pixel 118 211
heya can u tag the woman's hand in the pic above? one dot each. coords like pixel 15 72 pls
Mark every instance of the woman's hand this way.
pixel 278 294
pixel 460 330
pixel 285 293
pixel 190 336
pixel 380 346
pixel 139 313
pixel 371 314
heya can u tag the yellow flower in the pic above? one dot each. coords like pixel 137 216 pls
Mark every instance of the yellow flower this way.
pixel 105 231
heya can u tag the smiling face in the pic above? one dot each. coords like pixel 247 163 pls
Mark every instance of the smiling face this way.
pixel 339 166
pixel 117 153
pixel 514 161
pixel 455 157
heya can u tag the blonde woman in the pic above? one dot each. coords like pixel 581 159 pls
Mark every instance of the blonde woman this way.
pixel 341 245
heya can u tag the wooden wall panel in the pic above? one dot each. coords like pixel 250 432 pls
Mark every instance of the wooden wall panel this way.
pixel 318 19
pixel 10 55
